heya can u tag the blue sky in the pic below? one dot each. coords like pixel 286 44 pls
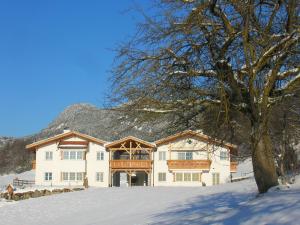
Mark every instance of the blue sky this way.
pixel 54 53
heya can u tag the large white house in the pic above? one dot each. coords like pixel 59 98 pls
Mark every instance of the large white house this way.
pixel 188 158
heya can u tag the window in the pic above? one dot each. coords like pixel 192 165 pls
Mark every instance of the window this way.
pixel 216 178
pixel 179 177
pixel 65 176
pixel 181 155
pixel 72 155
pixel 80 155
pixel 162 177
pixel 66 155
pixel 187 177
pixel 100 155
pixel 79 176
pixel 72 176
pixel 196 177
pixel 185 155
pixel 189 155
pixel 99 176
pixel 162 156
pixel 49 155
pixel 223 155
pixel 48 176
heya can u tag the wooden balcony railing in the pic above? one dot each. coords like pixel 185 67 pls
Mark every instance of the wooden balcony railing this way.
pixel 33 164
pixel 189 164
pixel 130 164
pixel 233 167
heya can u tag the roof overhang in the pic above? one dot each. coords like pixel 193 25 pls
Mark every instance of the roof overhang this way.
pixel 125 140
pixel 60 137
pixel 190 133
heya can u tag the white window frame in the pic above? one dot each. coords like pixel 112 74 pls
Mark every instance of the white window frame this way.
pixel 215 178
pixel 224 155
pixel 48 176
pixel 49 155
pixel 162 155
pixel 72 176
pixel 79 153
pixel 66 155
pixel 183 155
pixel 65 175
pixel 76 155
pixel 99 176
pixel 79 175
pixel 73 155
pixel 162 177
pixel 178 175
pixel 196 177
pixel 100 156
pixel 187 177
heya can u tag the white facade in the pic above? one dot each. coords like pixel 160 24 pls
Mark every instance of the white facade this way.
pixel 197 150
pixel 185 159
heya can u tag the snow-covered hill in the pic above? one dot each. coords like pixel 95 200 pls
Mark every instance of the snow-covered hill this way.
pixel 8 178
pixel 233 203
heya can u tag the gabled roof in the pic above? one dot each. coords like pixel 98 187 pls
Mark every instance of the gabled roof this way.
pixel 193 134
pixel 63 136
pixel 128 138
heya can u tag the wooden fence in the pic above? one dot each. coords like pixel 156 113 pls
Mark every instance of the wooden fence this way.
pixel 21 183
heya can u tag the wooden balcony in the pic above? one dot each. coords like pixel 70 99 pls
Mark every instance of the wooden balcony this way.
pixel 33 164
pixel 233 167
pixel 130 164
pixel 189 164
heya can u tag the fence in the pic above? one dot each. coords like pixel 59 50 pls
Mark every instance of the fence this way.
pixel 21 183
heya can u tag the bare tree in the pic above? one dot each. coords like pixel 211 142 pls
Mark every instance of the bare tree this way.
pixel 285 132
pixel 239 57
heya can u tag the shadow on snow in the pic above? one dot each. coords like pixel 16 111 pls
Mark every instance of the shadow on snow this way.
pixel 223 208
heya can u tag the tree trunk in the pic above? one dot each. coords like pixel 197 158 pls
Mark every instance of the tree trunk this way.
pixel 263 161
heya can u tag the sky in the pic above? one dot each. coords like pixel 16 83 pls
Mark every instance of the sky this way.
pixel 54 53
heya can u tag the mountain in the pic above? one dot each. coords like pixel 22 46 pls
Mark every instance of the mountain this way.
pixel 106 124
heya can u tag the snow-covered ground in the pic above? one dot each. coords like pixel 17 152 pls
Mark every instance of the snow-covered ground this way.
pixel 233 203
pixel 8 178
pixel 244 169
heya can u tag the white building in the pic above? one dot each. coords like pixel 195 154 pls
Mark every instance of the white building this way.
pixel 188 158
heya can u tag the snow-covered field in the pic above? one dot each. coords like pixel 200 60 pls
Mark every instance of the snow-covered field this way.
pixel 233 203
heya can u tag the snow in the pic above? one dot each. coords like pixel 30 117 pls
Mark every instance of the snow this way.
pixel 244 169
pixel 8 178
pixel 232 203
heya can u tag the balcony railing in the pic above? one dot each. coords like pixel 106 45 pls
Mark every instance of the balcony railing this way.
pixel 33 164
pixel 233 167
pixel 189 164
pixel 130 164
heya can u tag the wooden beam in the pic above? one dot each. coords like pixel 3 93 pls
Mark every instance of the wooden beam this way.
pixel 133 149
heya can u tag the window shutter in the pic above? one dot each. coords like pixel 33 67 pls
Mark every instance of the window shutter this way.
pixel 61 155
pixel 84 155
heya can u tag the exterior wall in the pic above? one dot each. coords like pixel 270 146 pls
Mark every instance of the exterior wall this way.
pixel 201 151
pixel 94 165
pixel 89 166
